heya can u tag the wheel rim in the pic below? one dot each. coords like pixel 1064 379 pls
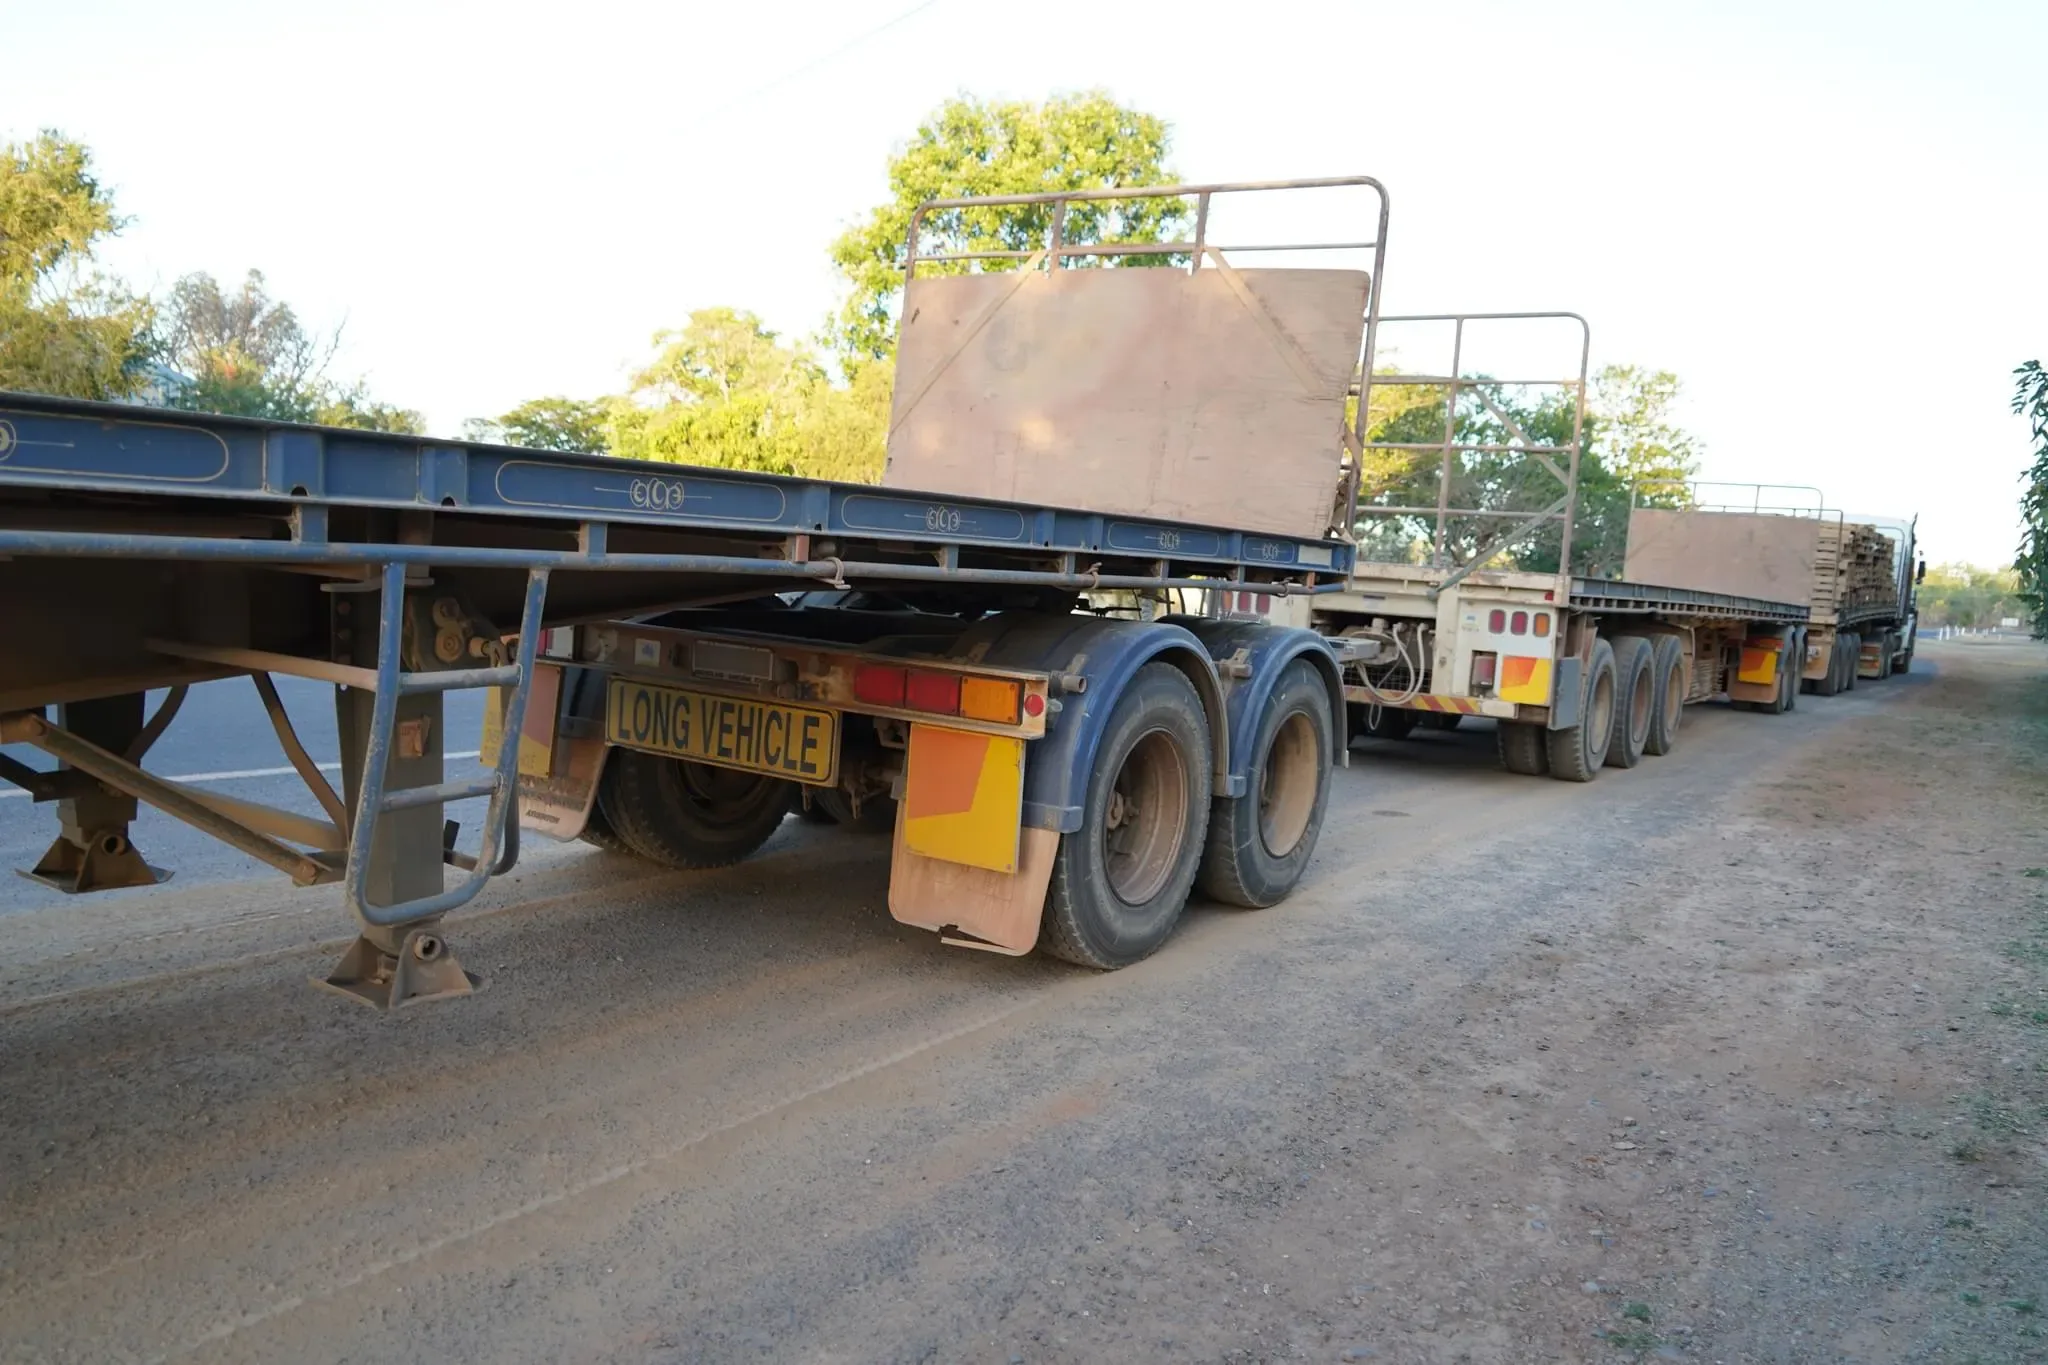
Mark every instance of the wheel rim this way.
pixel 1287 785
pixel 719 796
pixel 1639 707
pixel 1600 707
pixel 1674 696
pixel 1146 820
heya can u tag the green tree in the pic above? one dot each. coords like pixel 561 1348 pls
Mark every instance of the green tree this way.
pixel 1638 441
pixel 2030 400
pixel 241 352
pixel 975 147
pixel 64 328
pixel 245 353
pixel 1968 596
pixel 725 391
pixel 336 406
pixel 553 423
pixel 1635 455
pixel 1631 452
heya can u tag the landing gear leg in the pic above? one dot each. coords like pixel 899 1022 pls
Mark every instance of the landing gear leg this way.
pixel 402 964
pixel 93 853
pixel 421 967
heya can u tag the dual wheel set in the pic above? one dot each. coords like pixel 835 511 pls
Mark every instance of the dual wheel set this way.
pixel 1846 658
pixel 1151 830
pixel 1633 702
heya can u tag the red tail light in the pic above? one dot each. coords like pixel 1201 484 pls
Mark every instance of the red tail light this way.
pixel 935 692
pixel 879 686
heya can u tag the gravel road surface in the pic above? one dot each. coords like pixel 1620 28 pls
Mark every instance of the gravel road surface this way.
pixel 1737 1056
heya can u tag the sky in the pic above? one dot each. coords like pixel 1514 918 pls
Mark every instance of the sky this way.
pixel 1826 218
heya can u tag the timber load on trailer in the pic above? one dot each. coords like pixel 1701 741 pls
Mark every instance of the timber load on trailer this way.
pixel 682 657
pixel 1464 601
pixel 1857 576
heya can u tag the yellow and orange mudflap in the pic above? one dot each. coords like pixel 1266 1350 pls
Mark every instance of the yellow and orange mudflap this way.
pixel 537 727
pixel 1759 664
pixel 963 797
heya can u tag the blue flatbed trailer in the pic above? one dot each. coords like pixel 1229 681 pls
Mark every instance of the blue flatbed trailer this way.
pixel 144 549
pixel 681 655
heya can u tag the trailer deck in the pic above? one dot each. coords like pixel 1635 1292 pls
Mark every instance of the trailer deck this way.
pixel 310 491
pixel 687 680
pixel 1614 595
pixel 1609 595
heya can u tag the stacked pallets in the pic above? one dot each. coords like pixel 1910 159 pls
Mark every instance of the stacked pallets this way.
pixel 1853 571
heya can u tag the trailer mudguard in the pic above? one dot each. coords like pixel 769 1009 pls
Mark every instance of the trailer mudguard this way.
pixel 1251 656
pixel 559 802
pixel 1093 658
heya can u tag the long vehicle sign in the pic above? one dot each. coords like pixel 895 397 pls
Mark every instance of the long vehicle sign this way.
pixel 794 742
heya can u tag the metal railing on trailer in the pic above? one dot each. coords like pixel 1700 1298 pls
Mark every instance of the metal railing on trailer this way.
pixel 365 512
pixel 1455 539
pixel 1047 240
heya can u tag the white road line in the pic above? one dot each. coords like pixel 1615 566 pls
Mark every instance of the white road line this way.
pixel 235 774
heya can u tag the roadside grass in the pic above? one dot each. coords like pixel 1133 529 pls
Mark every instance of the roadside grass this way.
pixel 2032 952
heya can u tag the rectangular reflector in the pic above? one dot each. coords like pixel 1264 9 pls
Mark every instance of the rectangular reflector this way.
pixel 938 693
pixel 992 699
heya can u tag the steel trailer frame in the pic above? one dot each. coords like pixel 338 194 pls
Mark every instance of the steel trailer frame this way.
pixel 263 502
pixel 96 481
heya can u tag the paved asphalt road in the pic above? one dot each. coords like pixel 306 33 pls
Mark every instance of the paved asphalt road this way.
pixel 223 731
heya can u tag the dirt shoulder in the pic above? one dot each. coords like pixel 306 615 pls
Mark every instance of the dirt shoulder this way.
pixel 1771 1087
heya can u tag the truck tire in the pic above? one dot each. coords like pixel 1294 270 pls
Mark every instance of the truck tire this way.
pixel 1780 703
pixel 1886 643
pixel 1577 754
pixel 1830 683
pixel 1119 882
pixel 689 815
pixel 812 814
pixel 1260 843
pixel 1522 748
pixel 1442 720
pixel 1390 722
pixel 1855 660
pixel 598 832
pixel 831 806
pixel 1794 664
pixel 1635 695
pixel 1667 671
